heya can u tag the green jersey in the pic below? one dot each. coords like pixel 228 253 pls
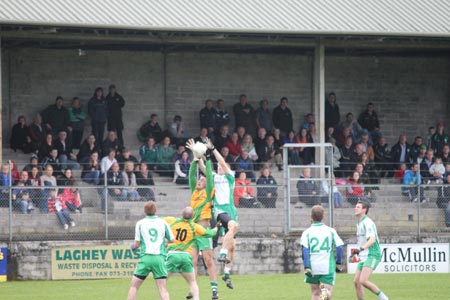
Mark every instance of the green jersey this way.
pixel 366 228
pixel 223 197
pixel 151 232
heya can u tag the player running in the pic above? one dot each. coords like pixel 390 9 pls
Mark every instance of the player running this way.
pixel 318 243
pixel 179 257
pixel 202 193
pixel 150 234
pixel 369 252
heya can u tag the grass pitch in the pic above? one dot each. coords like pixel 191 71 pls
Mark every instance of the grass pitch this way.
pixel 261 287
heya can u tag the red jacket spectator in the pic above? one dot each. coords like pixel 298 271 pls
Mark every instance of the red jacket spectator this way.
pixel 234 145
pixel 52 204
pixel 242 189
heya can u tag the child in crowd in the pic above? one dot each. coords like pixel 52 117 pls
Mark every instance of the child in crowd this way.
pixel 437 170
pixel 58 206
pixel 400 173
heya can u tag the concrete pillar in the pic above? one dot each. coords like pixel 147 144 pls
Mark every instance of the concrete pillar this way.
pixel 319 102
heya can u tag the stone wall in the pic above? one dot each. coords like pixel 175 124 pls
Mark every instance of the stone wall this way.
pixel 410 93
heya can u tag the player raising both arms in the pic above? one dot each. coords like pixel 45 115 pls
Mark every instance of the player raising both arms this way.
pixel 369 252
pixel 179 257
pixel 318 243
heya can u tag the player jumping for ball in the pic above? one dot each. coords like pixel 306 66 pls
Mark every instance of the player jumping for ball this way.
pixel 369 252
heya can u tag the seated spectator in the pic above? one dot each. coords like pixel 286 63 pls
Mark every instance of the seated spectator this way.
pixel 354 190
pixel 400 173
pixel 437 171
pixel 277 139
pixel 337 197
pixel 112 142
pixel 352 123
pixel 260 141
pixel 245 164
pixel 266 189
pixel 225 152
pixel 182 169
pixel 368 120
pixel 412 178
pixel 332 156
pixel 445 154
pixel 126 156
pixel 203 137
pixel 65 155
pixel 88 147
pixel 6 182
pixel 114 182
pixel 264 116
pixel 46 147
pixel 308 190
pixel 241 133
pixel 178 152
pixel 34 176
pixel 309 119
pixel 15 175
pixel 342 136
pixel 150 129
pixel 144 178
pixel 271 155
pixel 422 154
pixel 53 160
pixel 165 153
pixel 77 117
pixel 348 157
pixel 383 158
pixel 293 156
pixel 20 140
pixel 367 146
pixel 312 133
pixel 247 145
pixel 33 163
pixel 244 196
pixel 222 137
pixel 91 170
pixel 222 116
pixel 369 169
pixel 108 161
pixel 37 133
pixel 443 200
pixel 425 166
pixel 208 117
pixel 56 117
pixel 234 146
pixel 48 181
pixel 330 134
pixel 57 206
pixel 21 196
pixel 177 131
pixel 70 195
pixel 305 153
pixel 129 181
pixel 149 154
pixel 439 139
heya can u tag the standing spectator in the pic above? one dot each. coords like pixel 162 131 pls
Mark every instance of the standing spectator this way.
pixel 282 117
pixel 369 120
pixel 244 115
pixel 415 148
pixel 222 116
pixel 208 117
pixel 234 145
pixel 383 158
pixel 413 179
pixel 77 117
pixel 332 114
pixel 422 154
pixel 37 133
pixel 112 142
pixel 431 132
pixel 56 117
pixel 57 206
pixel 305 153
pixel 308 190
pixel 222 138
pixel 91 170
pixel 177 130
pixel 108 161
pixel 149 153
pixel 400 152
pixel 165 153
pixel 354 190
pixel 182 169
pixel 150 129
pixel 245 164
pixel 271 155
pixel 439 139
pixel 49 182
pixel 88 147
pixel 129 181
pixel 70 195
pixel 264 116
pixel 266 189
pixel 20 139
pixel 65 155
pixel 244 195
pixel 144 179
pixel 98 111
pixel 115 103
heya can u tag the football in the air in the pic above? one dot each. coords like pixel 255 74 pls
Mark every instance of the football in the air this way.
pixel 199 150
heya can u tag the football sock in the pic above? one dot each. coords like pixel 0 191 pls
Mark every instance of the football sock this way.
pixel 226 272
pixel 223 252
pixel 381 295
pixel 213 286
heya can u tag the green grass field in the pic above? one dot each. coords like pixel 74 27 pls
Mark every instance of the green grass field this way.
pixel 260 287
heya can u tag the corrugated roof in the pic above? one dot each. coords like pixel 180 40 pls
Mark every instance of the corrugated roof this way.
pixel 429 18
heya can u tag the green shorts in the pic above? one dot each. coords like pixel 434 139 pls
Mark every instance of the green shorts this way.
pixel 151 263
pixel 316 279
pixel 179 262
pixel 370 262
pixel 202 243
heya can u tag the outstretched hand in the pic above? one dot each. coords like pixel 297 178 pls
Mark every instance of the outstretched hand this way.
pixel 209 144
pixel 190 144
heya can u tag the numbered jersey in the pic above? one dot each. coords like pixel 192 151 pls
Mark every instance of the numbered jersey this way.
pixel 185 233
pixel 321 241
pixel 223 197
pixel 151 232
pixel 366 228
